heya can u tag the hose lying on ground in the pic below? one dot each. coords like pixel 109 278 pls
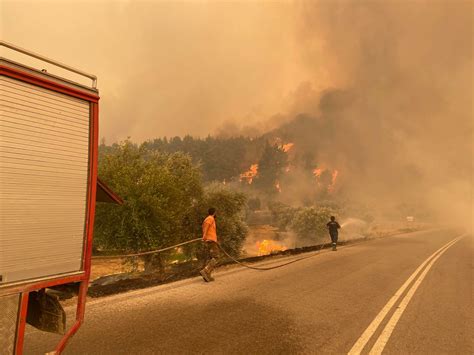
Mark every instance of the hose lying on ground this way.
pixel 269 267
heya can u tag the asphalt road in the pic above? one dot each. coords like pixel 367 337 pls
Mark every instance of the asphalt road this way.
pixel 324 304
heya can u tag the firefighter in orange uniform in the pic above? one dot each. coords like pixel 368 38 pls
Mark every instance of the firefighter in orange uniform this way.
pixel 209 237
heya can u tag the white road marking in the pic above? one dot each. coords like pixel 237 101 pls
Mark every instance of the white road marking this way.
pixel 392 323
pixel 373 326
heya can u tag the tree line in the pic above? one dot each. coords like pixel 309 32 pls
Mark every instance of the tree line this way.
pixel 223 159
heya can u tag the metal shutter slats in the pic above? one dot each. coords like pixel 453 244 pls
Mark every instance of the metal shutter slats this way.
pixel 44 159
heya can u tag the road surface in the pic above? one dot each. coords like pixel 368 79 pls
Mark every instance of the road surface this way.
pixel 351 299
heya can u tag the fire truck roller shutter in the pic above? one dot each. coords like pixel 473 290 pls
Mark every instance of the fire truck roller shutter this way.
pixel 44 162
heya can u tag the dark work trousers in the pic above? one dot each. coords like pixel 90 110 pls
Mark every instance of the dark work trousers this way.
pixel 334 238
pixel 213 254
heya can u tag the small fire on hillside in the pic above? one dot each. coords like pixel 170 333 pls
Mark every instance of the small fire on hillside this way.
pixel 267 246
pixel 249 175
pixel 335 173
pixel 317 172
pixel 278 187
pixel 287 147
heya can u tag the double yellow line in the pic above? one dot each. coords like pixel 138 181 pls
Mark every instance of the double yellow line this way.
pixel 383 338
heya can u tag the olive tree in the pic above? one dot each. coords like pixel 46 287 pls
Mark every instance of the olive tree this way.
pixel 159 190
pixel 164 204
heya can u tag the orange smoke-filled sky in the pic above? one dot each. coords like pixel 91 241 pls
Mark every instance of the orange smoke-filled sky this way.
pixel 171 68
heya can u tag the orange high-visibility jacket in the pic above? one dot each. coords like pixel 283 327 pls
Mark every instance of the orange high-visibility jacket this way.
pixel 209 231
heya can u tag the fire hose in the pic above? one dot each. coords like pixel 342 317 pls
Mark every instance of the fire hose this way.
pixel 269 267
pixel 220 247
pixel 146 252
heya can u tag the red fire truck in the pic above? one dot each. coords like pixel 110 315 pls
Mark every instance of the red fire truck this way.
pixel 48 192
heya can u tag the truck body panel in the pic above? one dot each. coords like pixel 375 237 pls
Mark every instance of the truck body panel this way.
pixel 44 157
pixel 48 184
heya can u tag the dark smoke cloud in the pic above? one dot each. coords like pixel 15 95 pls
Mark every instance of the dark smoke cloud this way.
pixel 400 123
pixel 397 117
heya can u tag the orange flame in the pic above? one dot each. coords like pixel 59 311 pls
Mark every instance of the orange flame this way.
pixel 278 187
pixel 287 147
pixel 335 173
pixel 266 247
pixel 317 172
pixel 249 175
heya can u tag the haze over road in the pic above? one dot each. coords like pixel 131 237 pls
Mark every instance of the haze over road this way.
pixel 322 304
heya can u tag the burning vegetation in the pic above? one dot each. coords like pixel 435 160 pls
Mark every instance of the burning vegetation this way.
pixel 287 171
pixel 266 247
pixel 278 187
pixel 248 176
pixel 318 173
pixel 373 135
pixel 287 147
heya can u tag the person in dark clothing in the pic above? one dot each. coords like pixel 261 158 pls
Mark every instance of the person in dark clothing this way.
pixel 333 227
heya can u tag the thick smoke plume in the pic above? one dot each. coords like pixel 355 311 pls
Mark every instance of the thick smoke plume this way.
pixel 381 90
pixel 404 118
pixel 398 123
pixel 166 68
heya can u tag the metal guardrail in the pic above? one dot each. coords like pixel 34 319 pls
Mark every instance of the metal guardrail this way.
pixel 51 61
